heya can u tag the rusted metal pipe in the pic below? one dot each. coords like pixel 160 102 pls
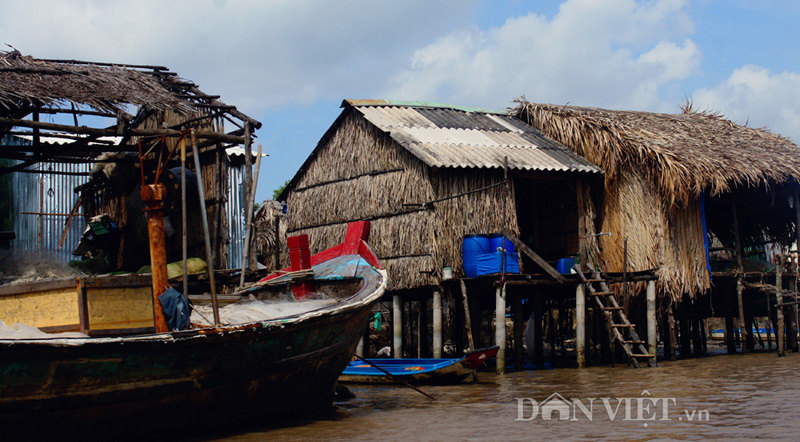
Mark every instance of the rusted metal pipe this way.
pixel 153 196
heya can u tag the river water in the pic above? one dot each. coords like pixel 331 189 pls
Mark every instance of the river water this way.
pixel 720 397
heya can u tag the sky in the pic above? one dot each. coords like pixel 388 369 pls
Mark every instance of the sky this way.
pixel 290 63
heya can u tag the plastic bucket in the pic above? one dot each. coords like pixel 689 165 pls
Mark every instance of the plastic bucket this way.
pixel 473 246
pixel 496 242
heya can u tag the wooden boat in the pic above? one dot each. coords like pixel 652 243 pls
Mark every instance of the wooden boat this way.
pixel 120 380
pixel 416 371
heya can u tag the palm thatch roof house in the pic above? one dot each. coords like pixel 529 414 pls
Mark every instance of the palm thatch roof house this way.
pixel 83 114
pixel 427 175
pixel 680 188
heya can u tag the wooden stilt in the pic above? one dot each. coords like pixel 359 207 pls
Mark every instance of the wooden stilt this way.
pixel 651 317
pixel 697 337
pixel 437 324
pixel 686 338
pixel 781 327
pixel 671 340
pixel 750 342
pixel 422 328
pixel 467 317
pixel 397 326
pixel 739 288
pixel 580 325
pixel 730 327
pixel 500 327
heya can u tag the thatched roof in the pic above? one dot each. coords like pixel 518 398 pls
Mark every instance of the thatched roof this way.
pixel 684 154
pixel 26 81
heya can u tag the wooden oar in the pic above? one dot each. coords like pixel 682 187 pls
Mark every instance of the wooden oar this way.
pixel 393 377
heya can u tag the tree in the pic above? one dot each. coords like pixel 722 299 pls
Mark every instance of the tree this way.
pixel 277 192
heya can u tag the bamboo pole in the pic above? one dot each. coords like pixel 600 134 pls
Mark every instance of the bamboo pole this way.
pixel 437 324
pixel 204 215
pixel 500 327
pixel 467 317
pixel 249 217
pixel 651 317
pixel 184 224
pixel 397 326
pixel 739 289
pixel 580 324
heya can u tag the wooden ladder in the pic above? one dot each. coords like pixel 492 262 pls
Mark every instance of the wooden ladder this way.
pixel 620 328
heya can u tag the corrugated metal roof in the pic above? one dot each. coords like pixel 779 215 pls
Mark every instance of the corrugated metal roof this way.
pixel 451 136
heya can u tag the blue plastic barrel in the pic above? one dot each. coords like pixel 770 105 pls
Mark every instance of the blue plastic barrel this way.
pixel 496 242
pixel 473 246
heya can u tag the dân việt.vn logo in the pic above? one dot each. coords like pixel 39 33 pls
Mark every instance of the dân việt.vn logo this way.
pixel 644 408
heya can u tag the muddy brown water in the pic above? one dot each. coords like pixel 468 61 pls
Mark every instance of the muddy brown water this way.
pixel 720 397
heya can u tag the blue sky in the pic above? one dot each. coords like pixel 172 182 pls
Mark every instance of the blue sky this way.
pixel 290 63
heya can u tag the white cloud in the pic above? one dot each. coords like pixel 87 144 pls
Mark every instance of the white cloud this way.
pixel 754 95
pixel 610 53
pixel 256 54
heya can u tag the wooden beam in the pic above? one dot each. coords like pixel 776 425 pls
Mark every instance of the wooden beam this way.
pixel 521 246
pixel 112 131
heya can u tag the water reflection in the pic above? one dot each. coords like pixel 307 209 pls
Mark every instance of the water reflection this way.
pixel 747 397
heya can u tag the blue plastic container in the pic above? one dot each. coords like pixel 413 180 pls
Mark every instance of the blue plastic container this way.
pixel 473 246
pixel 565 265
pixel 489 263
pixel 496 242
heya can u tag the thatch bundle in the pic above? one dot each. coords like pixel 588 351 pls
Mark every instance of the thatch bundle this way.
pixel 360 173
pixel 657 167
pixel 103 87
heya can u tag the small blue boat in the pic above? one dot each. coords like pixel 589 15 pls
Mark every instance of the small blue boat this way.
pixel 416 371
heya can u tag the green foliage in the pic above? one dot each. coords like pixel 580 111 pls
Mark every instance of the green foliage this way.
pixel 277 192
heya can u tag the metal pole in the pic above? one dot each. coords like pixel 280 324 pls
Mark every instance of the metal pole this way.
pixel 500 327
pixel 397 326
pixel 651 317
pixel 204 215
pixel 437 324
pixel 580 327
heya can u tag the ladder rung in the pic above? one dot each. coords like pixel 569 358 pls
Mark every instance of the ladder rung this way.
pixel 595 280
pixel 634 355
pixel 635 342
pixel 614 308
pixel 623 325
pixel 602 293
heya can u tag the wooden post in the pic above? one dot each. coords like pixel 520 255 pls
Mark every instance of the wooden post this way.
pixel 519 321
pixel 750 342
pixel 651 317
pixel 437 324
pixel 249 199
pixel 206 235
pixel 697 337
pixel 184 233
pixel 397 326
pixel 671 341
pixel 730 328
pixel 739 277
pixel 467 317
pixel 580 325
pixel 422 328
pixel 500 327
pixel 686 338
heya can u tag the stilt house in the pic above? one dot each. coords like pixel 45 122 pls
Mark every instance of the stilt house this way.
pixel 426 175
